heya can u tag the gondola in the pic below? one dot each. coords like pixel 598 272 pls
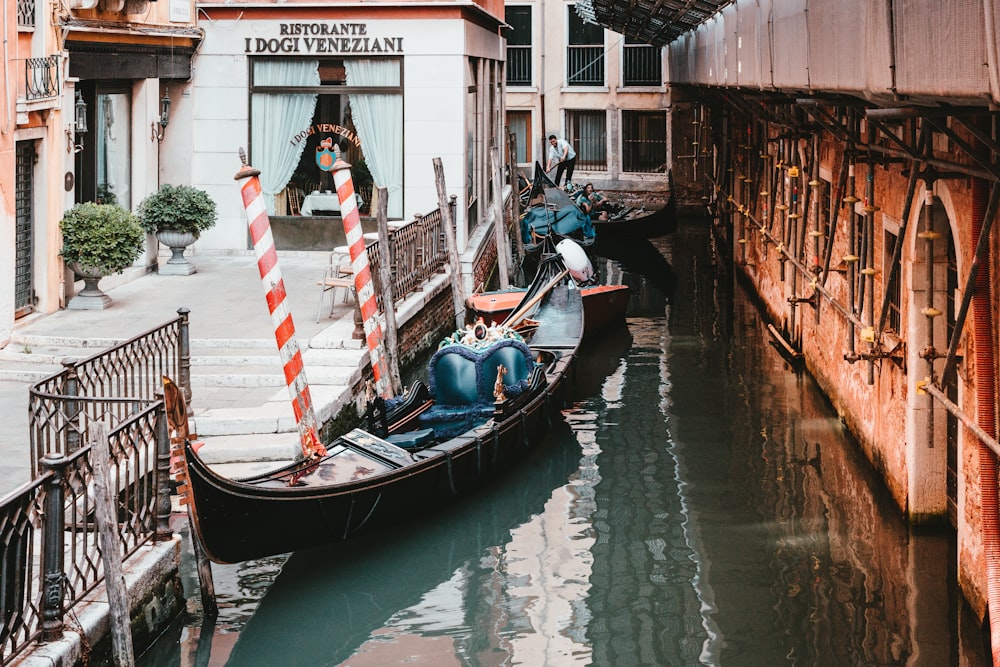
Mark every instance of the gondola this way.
pixel 629 222
pixel 603 305
pixel 550 212
pixel 490 394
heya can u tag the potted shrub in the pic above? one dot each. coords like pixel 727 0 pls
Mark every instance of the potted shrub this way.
pixel 99 240
pixel 177 214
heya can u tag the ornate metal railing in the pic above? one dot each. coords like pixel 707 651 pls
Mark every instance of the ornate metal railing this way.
pixel 41 77
pixel 51 552
pixel 58 413
pixel 51 556
pixel 417 250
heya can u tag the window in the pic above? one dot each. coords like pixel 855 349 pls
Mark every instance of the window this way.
pixel 587 132
pixel 303 110
pixel 24 235
pixel 584 52
pixel 642 64
pixel 519 124
pixel 644 141
pixel 893 320
pixel 519 46
pixel 25 13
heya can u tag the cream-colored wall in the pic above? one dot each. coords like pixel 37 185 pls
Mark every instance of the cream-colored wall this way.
pixel 549 97
pixel 434 65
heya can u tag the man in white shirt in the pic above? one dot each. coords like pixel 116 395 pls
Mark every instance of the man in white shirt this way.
pixel 562 156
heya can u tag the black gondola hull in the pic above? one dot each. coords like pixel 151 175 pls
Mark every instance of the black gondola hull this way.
pixel 238 520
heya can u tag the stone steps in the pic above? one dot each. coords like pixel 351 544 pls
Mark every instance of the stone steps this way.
pixel 241 405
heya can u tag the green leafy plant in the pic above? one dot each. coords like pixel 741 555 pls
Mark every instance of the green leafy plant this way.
pixel 105 237
pixel 178 208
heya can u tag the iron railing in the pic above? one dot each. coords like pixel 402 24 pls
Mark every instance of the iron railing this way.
pixel 51 556
pixel 518 65
pixel 417 250
pixel 584 65
pixel 642 65
pixel 41 77
pixel 59 408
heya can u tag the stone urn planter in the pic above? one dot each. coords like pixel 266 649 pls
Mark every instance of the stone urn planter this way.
pixel 98 240
pixel 177 214
pixel 178 264
pixel 90 297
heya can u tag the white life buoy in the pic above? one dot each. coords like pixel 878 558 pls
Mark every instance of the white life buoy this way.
pixel 576 260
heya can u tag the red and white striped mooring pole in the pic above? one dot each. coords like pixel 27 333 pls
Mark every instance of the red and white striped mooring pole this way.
pixel 274 292
pixel 362 273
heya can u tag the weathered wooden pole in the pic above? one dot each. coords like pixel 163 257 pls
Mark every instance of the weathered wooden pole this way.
pixel 454 261
pixel 500 226
pixel 388 299
pixel 111 555
pixel 515 204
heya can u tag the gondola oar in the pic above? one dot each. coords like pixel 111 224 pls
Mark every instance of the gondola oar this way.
pixel 523 311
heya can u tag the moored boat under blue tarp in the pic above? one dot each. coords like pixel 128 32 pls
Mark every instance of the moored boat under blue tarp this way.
pixel 551 212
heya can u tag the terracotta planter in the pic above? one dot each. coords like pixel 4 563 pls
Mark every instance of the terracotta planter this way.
pixel 177 265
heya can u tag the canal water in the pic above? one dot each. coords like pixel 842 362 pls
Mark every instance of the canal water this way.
pixel 701 504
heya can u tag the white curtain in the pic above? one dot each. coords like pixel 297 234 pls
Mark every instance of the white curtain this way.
pixel 277 118
pixel 378 119
pixel 114 163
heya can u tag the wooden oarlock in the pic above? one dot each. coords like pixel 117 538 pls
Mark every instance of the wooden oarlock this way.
pixel 274 292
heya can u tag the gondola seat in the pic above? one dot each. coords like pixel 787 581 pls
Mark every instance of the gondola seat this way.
pixel 412 439
pixel 462 379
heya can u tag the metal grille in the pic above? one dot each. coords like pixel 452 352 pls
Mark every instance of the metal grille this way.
pixel 585 65
pixel 518 65
pixel 41 77
pixel 644 141
pixel 20 568
pixel 642 65
pixel 25 13
pixel 23 228
pixel 587 131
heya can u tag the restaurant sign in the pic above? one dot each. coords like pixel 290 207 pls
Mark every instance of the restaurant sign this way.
pixel 323 37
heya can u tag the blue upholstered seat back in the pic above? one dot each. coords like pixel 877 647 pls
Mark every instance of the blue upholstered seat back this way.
pixel 460 375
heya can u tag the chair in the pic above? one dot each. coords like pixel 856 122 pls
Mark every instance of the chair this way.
pixel 294 196
pixel 338 275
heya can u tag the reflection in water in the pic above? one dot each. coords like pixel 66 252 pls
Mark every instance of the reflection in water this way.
pixel 700 504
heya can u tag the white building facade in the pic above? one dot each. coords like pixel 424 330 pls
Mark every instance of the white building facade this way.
pixel 391 89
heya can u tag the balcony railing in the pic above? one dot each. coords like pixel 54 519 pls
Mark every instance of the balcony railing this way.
pixel 518 65
pixel 642 66
pixel 585 65
pixel 41 78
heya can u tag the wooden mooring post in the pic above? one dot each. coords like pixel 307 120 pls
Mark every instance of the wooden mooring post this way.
pixel 111 555
pixel 454 261
pixel 500 226
pixel 388 298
